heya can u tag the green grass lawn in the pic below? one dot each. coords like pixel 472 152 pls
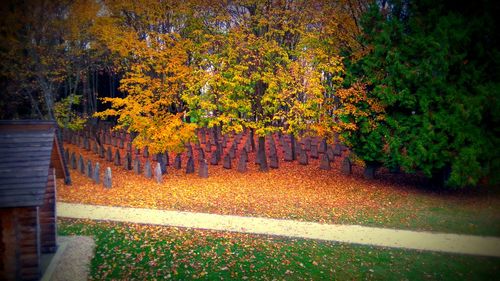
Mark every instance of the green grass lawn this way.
pixel 145 252
pixel 448 219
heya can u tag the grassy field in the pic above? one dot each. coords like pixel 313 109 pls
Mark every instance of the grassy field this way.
pixel 145 252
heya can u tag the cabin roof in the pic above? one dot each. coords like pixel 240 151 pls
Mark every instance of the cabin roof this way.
pixel 28 148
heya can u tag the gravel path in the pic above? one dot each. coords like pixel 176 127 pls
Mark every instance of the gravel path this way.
pixel 442 242
pixel 73 263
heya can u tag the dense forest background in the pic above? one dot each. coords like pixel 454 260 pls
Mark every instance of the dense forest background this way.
pixel 408 85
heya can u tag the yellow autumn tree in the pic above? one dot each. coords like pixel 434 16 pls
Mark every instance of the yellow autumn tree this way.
pixel 265 65
pixel 145 38
pixel 272 66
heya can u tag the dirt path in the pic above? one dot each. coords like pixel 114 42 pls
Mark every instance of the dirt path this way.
pixel 442 242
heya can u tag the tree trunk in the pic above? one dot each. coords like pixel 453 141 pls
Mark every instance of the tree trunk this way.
pixel 440 177
pixel 261 154
pixel 252 141
pixel 214 135
pixel 85 96
pixel 292 144
pixel 370 169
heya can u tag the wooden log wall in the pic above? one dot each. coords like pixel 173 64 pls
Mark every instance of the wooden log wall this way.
pixel 48 228
pixel 20 250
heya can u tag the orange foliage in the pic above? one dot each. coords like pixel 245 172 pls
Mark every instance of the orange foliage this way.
pixel 290 192
pixel 156 73
pixel 357 104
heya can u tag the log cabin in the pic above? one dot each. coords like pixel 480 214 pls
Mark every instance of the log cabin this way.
pixel 30 160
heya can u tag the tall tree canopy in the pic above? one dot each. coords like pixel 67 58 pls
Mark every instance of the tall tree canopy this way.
pixel 46 54
pixel 147 41
pixel 406 84
pixel 425 96
pixel 266 65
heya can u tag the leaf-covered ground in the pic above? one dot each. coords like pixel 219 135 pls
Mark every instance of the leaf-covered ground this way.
pixel 145 252
pixel 294 192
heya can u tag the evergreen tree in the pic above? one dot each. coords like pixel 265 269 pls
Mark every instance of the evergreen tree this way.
pixel 424 97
